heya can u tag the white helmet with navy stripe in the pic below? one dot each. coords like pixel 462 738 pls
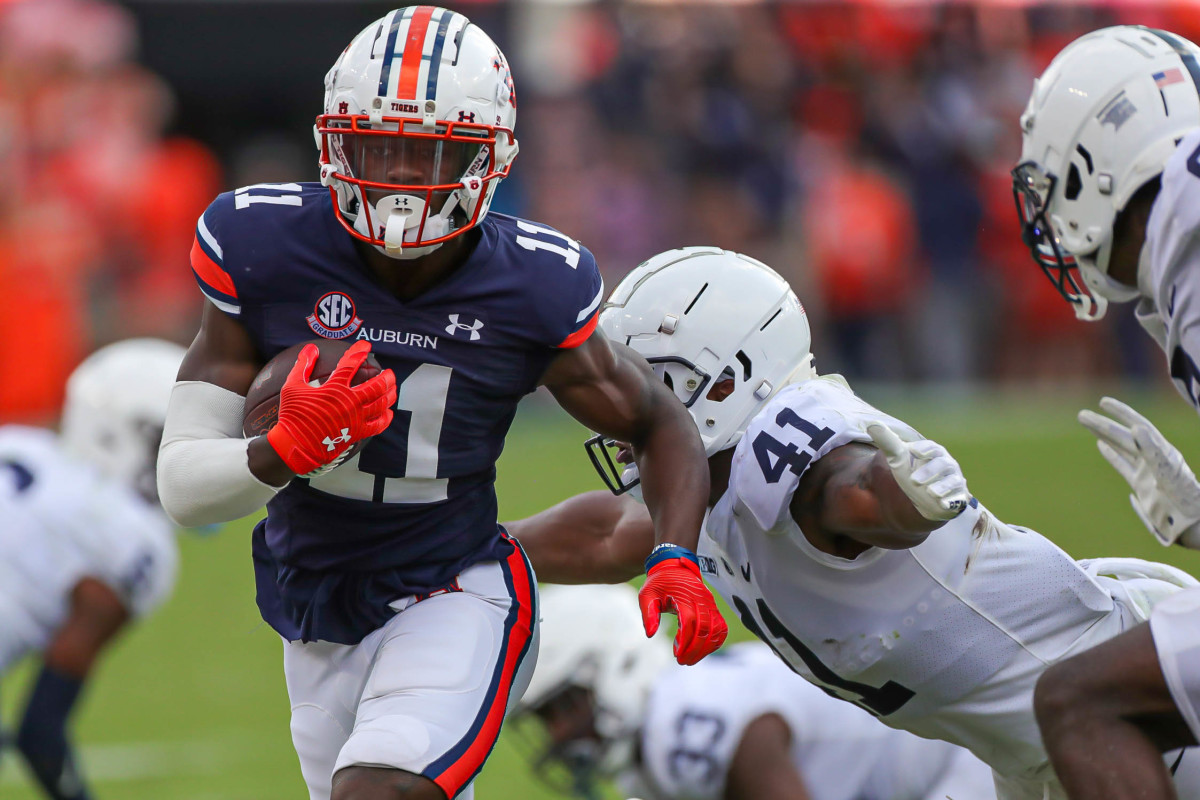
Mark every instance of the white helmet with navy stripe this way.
pixel 1101 123
pixel 417 130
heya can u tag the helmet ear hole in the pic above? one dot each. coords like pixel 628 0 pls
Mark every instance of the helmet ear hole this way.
pixel 744 360
pixel 1074 183
pixel 721 389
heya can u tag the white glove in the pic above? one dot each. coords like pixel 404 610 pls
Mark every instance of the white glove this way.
pixel 925 472
pixel 1165 492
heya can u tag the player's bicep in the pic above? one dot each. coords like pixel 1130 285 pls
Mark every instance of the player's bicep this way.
pixel 222 353
pixel 593 537
pixel 851 492
pixel 762 767
pixel 606 386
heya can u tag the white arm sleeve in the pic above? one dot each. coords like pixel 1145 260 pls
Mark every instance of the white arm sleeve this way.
pixel 203 468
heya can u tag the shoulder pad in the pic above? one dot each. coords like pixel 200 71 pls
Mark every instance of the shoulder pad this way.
pixel 236 223
pixel 564 282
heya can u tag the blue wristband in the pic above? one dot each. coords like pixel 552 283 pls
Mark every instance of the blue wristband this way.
pixel 666 551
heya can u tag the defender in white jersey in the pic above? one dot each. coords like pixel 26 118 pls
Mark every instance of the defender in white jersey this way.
pixel 85 547
pixel 738 725
pixel 842 538
pixel 1108 190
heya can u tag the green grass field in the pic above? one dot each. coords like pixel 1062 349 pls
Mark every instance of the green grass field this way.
pixel 191 705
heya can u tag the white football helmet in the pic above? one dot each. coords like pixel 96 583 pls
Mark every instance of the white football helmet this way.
pixel 116 406
pixel 700 315
pixel 417 131
pixel 592 639
pixel 1102 121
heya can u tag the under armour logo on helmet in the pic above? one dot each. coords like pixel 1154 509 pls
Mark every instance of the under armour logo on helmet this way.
pixel 332 443
pixel 456 326
pixel 466 116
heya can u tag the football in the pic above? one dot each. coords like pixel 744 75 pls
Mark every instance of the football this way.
pixel 262 400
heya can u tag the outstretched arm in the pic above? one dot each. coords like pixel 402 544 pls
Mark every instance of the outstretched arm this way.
pixel 890 498
pixel 613 391
pixel 97 615
pixel 590 538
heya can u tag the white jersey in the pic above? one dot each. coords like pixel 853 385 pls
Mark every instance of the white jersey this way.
pixel 946 639
pixel 63 522
pixel 696 717
pixel 1170 307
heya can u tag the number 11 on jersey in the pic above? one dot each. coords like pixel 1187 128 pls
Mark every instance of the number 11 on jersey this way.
pixel 423 395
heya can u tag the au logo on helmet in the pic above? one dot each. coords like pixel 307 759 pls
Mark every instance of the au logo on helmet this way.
pixel 333 316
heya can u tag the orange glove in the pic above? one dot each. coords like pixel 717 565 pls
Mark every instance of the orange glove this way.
pixel 673 584
pixel 317 424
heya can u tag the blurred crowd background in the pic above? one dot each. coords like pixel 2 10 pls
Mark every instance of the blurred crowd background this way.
pixel 862 149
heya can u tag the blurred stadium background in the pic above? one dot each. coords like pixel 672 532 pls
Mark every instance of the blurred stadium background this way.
pixel 862 149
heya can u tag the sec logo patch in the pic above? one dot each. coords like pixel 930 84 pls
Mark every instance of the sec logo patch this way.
pixel 334 316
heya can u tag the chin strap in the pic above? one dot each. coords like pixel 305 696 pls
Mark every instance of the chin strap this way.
pixel 401 216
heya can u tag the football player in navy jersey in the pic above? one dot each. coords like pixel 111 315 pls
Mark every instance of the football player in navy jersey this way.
pixel 408 614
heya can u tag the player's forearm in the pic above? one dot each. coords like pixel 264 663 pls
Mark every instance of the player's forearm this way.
pixel 204 473
pixel 674 474
pixel 852 493
pixel 590 538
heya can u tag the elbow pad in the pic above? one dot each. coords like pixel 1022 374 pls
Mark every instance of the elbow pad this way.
pixel 203 466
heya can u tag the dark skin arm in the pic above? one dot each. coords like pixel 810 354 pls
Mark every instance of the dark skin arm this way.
pixel 589 538
pixel 97 615
pixel 762 766
pixel 848 501
pixel 611 390
pixel 1111 701
pixel 224 355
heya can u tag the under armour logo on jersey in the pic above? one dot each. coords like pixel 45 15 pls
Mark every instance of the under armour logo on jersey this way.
pixel 455 326
pixel 331 443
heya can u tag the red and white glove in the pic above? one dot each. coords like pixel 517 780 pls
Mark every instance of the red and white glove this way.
pixel 673 584
pixel 319 423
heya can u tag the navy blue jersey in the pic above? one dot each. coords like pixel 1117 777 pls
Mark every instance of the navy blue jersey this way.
pixel 417 505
